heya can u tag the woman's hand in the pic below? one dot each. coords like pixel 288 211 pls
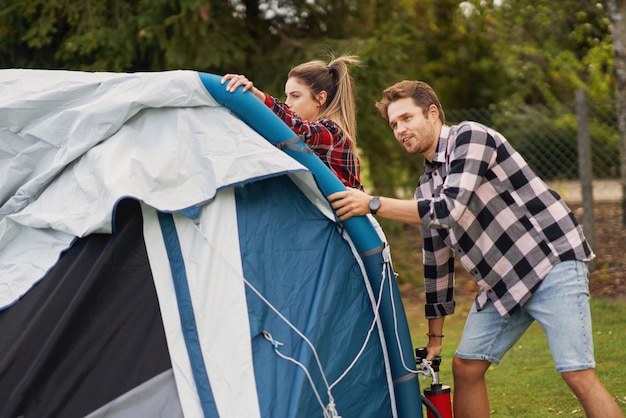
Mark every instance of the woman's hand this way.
pixel 237 80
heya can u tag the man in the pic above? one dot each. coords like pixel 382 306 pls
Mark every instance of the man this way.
pixel 478 199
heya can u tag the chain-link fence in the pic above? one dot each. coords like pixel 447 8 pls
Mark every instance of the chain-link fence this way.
pixel 546 136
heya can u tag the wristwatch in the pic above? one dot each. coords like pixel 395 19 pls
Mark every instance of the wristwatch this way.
pixel 374 205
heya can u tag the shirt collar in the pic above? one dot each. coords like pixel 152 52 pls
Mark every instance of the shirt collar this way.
pixel 440 153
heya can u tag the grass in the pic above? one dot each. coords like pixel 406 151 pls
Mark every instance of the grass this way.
pixel 525 384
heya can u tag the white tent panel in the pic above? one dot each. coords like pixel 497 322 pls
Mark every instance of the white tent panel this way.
pixel 217 292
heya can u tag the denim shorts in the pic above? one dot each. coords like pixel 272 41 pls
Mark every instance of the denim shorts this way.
pixel 560 306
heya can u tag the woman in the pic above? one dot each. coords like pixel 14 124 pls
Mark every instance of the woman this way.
pixel 320 106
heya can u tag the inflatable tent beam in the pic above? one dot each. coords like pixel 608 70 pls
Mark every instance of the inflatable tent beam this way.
pixel 366 240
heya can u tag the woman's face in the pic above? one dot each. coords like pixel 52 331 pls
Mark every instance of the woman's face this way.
pixel 301 100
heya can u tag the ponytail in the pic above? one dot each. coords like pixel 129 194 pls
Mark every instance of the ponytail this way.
pixel 335 79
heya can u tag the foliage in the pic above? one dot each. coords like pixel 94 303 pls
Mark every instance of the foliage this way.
pixel 475 53
pixel 548 51
pixel 121 35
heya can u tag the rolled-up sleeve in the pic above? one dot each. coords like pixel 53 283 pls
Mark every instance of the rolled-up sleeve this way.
pixel 438 275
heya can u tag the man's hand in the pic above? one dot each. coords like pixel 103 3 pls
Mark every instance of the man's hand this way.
pixel 349 203
pixel 433 349
pixel 435 337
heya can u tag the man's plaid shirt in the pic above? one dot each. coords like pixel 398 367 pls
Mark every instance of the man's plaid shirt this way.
pixel 326 139
pixel 480 200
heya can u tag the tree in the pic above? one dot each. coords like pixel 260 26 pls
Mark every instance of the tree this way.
pixel 547 51
pixel 121 35
pixel 617 9
pixel 475 53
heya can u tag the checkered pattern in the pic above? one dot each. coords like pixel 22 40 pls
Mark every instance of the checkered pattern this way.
pixel 326 139
pixel 479 199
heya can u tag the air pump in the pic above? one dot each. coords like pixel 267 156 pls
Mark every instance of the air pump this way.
pixel 436 397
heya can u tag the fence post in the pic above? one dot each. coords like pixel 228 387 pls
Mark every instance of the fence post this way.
pixel 617 14
pixel 584 165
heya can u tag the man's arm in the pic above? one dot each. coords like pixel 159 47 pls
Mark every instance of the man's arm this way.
pixel 353 202
pixel 435 337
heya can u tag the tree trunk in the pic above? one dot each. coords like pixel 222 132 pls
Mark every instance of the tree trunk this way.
pixel 617 10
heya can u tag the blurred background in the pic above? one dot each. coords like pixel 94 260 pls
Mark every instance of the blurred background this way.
pixel 551 76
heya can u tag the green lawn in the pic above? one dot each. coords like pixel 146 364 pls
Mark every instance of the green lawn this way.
pixel 525 384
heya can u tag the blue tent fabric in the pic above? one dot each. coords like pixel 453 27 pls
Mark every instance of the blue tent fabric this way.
pixel 295 273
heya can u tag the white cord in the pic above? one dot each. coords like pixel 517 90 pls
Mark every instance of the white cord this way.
pixel 369 333
pixel 330 410
pixel 317 360
pixel 395 327
pixel 276 344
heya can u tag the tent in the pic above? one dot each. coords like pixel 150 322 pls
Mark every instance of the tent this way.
pixel 166 249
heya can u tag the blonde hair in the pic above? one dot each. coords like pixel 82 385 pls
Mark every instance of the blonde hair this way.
pixel 335 79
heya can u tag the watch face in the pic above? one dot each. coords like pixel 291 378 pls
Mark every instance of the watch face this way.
pixel 374 204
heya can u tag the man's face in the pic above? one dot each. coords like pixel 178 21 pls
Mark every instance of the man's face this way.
pixel 418 133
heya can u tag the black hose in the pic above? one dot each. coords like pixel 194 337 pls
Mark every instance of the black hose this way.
pixel 429 405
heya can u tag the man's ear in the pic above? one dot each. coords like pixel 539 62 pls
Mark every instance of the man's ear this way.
pixel 432 110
